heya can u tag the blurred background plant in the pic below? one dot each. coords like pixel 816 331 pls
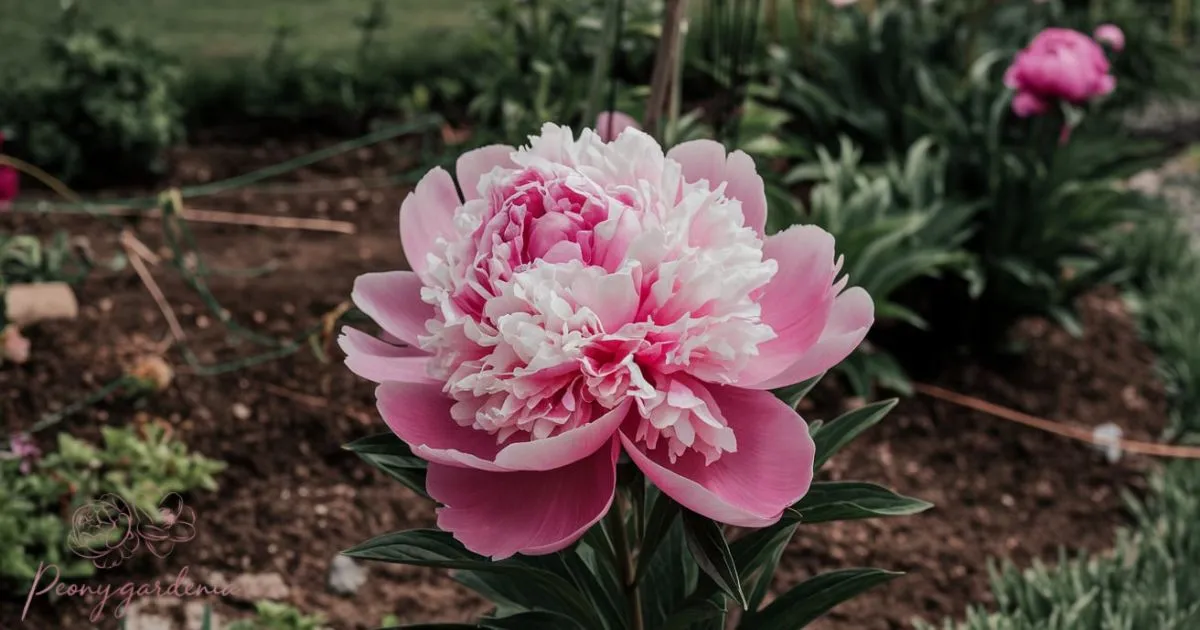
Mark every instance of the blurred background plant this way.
pixel 104 107
pixel 894 224
pixel 27 259
pixel 142 463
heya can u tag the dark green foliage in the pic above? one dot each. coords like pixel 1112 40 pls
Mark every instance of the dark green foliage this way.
pixel 106 108
pixel 894 224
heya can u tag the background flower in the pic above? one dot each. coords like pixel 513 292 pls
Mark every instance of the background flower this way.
pixel 1112 35
pixel 1058 65
pixel 10 180
pixel 609 125
pixel 23 448
pixel 586 298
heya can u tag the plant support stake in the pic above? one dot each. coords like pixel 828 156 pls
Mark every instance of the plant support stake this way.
pixel 664 66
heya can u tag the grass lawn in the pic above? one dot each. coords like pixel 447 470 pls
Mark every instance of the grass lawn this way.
pixel 213 31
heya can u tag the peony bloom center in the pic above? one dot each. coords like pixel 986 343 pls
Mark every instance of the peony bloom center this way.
pixel 579 279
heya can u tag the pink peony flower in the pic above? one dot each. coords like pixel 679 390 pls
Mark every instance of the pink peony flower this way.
pixel 24 449
pixel 587 298
pixel 609 125
pixel 1059 64
pixel 9 180
pixel 1112 35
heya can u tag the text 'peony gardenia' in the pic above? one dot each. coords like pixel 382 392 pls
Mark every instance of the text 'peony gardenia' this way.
pixel 584 298
pixel 1058 65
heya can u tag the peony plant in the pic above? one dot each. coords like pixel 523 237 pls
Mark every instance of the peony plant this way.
pixel 579 370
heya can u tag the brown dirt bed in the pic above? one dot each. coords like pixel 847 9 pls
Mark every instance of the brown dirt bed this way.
pixel 292 498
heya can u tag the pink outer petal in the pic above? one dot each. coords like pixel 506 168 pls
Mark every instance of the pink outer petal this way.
pixel 751 487
pixel 851 318
pixel 420 415
pixel 393 300
pixel 535 513
pixel 564 448
pixel 705 159
pixel 700 159
pixel 473 165
pixel 746 185
pixel 379 361
pixel 426 215
pixel 796 303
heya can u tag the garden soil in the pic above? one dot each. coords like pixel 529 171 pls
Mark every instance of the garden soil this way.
pixel 291 498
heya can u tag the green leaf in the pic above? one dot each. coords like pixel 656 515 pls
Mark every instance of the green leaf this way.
pixel 601 587
pixel 707 543
pixel 663 511
pixel 697 612
pixel 815 597
pixel 757 555
pixel 520 582
pixel 534 620
pixel 833 436
pixel 389 453
pixel 793 394
pixel 670 578
pixel 851 500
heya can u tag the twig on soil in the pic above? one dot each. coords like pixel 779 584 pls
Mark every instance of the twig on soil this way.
pixel 135 259
pixel 1057 428
pixel 51 419
pixel 259 220
pixel 309 400
pixel 233 218
pixel 49 180
pixel 128 238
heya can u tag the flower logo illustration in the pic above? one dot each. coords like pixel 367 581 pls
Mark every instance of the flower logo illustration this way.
pixel 176 524
pixel 110 530
pixel 104 531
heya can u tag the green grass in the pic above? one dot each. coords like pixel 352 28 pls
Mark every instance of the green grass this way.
pixel 214 32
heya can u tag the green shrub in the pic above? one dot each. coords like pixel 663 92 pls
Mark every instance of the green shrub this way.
pixel 540 57
pixel 105 108
pixel 26 259
pixel 141 465
pixel 894 224
pixel 1169 314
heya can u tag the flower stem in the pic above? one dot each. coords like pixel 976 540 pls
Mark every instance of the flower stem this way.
pixel 625 561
